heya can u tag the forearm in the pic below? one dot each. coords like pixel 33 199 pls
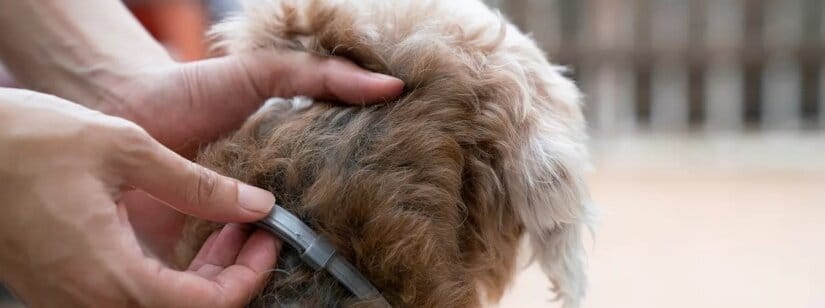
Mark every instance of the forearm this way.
pixel 79 50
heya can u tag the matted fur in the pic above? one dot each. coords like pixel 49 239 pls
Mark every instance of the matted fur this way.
pixel 430 194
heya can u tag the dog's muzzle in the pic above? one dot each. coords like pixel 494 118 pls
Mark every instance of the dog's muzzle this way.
pixel 318 253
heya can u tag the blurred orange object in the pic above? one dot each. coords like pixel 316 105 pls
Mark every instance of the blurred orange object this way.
pixel 178 24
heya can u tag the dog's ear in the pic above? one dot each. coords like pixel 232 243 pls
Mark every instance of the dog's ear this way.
pixel 545 181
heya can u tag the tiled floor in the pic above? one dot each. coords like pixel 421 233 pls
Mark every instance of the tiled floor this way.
pixel 688 232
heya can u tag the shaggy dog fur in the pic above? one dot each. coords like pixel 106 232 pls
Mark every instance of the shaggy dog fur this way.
pixel 428 195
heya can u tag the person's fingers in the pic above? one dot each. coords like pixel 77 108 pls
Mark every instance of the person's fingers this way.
pixel 196 102
pixel 187 186
pixel 206 247
pixel 257 253
pixel 220 251
pixel 232 286
pixel 322 78
pixel 284 73
pixel 253 264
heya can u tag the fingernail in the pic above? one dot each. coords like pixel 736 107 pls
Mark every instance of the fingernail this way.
pixel 255 199
pixel 383 77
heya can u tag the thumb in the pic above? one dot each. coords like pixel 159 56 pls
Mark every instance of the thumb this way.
pixel 210 97
pixel 193 189
pixel 258 75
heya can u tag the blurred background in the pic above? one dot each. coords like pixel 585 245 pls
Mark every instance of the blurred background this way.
pixel 708 141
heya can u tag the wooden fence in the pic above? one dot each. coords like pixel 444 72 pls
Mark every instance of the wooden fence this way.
pixel 687 65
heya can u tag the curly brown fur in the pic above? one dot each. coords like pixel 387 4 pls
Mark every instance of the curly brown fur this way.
pixel 430 194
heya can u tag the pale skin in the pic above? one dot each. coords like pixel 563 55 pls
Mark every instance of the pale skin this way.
pixel 95 179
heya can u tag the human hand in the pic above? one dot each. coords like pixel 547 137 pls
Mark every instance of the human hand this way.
pixel 98 55
pixel 65 238
pixel 186 105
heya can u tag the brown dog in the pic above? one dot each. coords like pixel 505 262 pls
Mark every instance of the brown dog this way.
pixel 428 195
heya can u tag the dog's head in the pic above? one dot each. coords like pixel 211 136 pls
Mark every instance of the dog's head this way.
pixel 429 194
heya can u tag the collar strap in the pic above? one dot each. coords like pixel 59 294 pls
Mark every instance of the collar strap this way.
pixel 319 253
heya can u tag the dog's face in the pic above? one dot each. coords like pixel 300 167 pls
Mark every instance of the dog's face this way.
pixel 428 195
